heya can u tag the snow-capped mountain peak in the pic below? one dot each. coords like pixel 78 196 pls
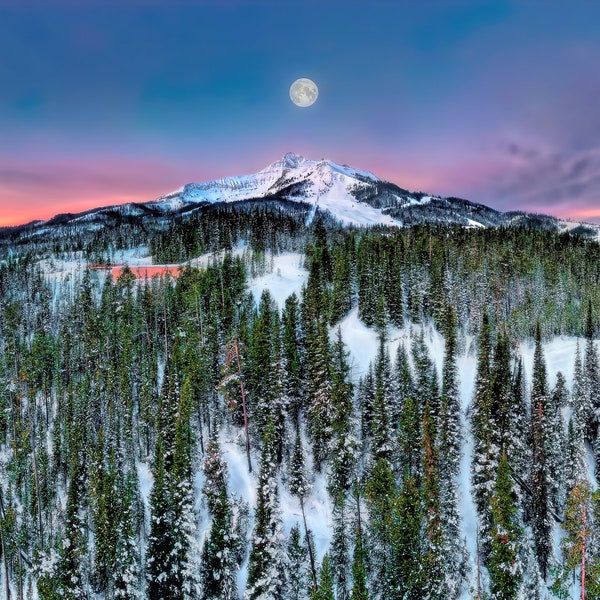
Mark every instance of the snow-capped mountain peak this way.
pixel 323 183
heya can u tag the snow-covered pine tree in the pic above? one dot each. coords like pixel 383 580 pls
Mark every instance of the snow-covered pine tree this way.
pixel 114 497
pixel 425 376
pixel 127 552
pixel 579 397
pixel 102 496
pixel 449 441
pixel 359 576
pixel 316 296
pixel 343 447
pixel 594 565
pixel 218 568
pixel 184 519
pixel 482 465
pixel 408 548
pixel 296 567
pixel 409 436
pixel 382 445
pixel 403 384
pixel 339 550
pixel 394 296
pixel 72 581
pixel 574 461
pixel 343 443
pixel 320 408
pixel 591 371
pixel 161 562
pixel 299 487
pixel 263 356
pixel 297 482
pixel 342 292
pixel 364 401
pixel 520 447
pixel 579 558
pixel 539 502
pixel 502 399
pixel 292 353
pixel 434 558
pixel 265 565
pixel 369 277
pixel 557 443
pixel 380 322
pixel 449 434
pixel 381 496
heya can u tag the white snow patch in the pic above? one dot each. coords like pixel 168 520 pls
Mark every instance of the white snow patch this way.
pixel 241 481
pixel 475 223
pixel 363 342
pixel 146 481
pixel 559 354
pixel 287 277
pixel 360 341
pixel 318 510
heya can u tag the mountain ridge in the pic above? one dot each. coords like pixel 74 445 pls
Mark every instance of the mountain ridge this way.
pixel 352 196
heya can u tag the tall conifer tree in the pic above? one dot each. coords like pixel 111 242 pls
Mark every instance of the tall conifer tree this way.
pixel 504 564
pixel 539 503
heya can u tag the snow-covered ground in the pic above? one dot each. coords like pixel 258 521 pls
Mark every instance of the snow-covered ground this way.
pixel 287 277
pixel 242 483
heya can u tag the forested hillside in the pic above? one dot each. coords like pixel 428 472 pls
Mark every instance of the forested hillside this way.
pixel 359 420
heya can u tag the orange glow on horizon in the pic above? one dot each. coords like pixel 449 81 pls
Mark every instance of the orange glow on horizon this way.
pixel 39 213
pixel 590 213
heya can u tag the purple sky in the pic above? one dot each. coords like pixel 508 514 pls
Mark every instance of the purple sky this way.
pixel 108 102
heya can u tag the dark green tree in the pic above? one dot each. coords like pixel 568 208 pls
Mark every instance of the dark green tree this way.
pixel 325 589
pixel 162 576
pixel 539 502
pixel 359 575
pixel 218 566
pixel 504 564
pixel 483 464
pixel 381 496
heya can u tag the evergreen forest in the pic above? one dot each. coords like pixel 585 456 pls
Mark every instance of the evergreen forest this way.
pixel 194 437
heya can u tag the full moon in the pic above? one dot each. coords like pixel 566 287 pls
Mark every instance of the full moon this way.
pixel 304 92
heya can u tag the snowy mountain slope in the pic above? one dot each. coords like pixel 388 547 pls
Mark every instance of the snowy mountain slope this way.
pixel 351 195
pixel 323 184
pixel 291 169
pixel 357 197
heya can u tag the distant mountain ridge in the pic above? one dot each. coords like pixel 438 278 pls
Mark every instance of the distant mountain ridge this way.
pixel 352 196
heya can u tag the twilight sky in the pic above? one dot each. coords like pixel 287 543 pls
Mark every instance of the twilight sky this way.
pixel 103 102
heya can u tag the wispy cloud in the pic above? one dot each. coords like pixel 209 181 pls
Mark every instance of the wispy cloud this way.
pixel 547 180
